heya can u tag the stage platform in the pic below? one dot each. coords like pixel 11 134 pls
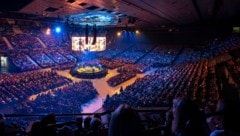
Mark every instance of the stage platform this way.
pixel 87 71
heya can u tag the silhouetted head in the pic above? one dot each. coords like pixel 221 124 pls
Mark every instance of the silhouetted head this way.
pixel 95 124
pixel 2 126
pixel 79 122
pixel 230 106
pixel 48 119
pixel 87 121
pixel 45 128
pixel 125 122
pixel 97 116
pixel 36 129
pixel 188 120
pixel 65 131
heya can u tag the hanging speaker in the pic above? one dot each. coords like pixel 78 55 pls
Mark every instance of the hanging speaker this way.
pixel 86 33
pixel 94 34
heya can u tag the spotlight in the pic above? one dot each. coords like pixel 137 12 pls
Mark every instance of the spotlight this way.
pixel 58 29
pixel 48 31
pixel 118 33
pixel 137 32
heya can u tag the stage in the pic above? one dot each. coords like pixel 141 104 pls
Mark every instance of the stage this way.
pixel 88 71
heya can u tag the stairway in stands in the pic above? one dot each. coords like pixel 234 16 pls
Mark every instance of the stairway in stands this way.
pixel 17 30
pixel 145 54
pixel 9 45
pixel 177 56
pixel 40 41
pixel 29 58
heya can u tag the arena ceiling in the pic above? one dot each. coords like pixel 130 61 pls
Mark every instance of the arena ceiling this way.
pixel 131 12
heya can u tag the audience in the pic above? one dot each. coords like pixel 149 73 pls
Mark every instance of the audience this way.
pixel 67 99
pixel 2 125
pixel 18 87
pixel 229 109
pixel 96 126
pixel 36 129
pixel 46 128
pixel 24 41
pixel 125 122
pixel 187 119
pixel 22 61
pixel 184 73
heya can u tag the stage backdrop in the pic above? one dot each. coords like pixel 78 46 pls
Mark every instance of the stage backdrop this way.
pixel 79 44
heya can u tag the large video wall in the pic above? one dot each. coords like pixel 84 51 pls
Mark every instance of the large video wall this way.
pixel 79 44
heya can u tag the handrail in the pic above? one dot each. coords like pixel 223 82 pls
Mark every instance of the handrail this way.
pixel 157 109
pixel 37 115
pixel 104 113
pixel 213 114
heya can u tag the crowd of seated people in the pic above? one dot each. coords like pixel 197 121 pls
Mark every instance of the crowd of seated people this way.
pixel 129 68
pixel 234 69
pixel 189 55
pixel 197 87
pixel 67 99
pixel 18 87
pixel 29 27
pixel 132 68
pixel 142 67
pixel 160 56
pixel 24 41
pixel 51 40
pixel 218 47
pixel 185 80
pixel 68 54
pixel 67 66
pixel 56 56
pixel 126 72
pixel 22 61
pixel 114 58
pixel 154 57
pixel 157 88
pixel 111 63
pixel 212 87
pixel 122 55
pixel 184 118
pixel 131 55
pixel 110 53
pixel 214 48
pixel 193 80
pixel 120 78
pixel 42 59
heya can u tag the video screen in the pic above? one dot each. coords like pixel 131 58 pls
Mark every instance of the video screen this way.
pixel 79 44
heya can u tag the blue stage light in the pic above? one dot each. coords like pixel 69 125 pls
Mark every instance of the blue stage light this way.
pixel 58 29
